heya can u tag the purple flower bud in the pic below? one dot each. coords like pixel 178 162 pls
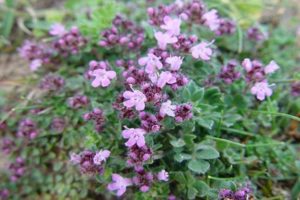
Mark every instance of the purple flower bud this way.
pixel 97 117
pixel 78 101
pixel 69 42
pixel 256 34
pixel 52 83
pixel 183 112
pixel 27 129
pixel 295 89
pixel 228 73
pixel 58 124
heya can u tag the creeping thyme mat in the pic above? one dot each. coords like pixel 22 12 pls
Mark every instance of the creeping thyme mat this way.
pixel 191 101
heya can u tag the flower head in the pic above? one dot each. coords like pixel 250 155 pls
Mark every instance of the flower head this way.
pixel 58 124
pixel 261 90
pixel 167 109
pixel 175 62
pixel 172 26
pixel 295 89
pixel 152 63
pixel 97 117
pixel 102 77
pixel 202 51
pixel 57 30
pixel 247 64
pixel 163 175
pixel 101 156
pixel 149 122
pixel 212 20
pixel 78 101
pixel 134 99
pixel 165 78
pixel 164 38
pixel 183 112
pixel 27 129
pixel 35 64
pixel 256 34
pixel 271 67
pixel 75 158
pixel 134 136
pixel 228 73
pixel 119 184
pixel 52 83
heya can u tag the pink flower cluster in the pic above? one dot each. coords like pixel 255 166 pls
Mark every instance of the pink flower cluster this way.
pixel 148 79
pixel 256 34
pixel 7 145
pixel 228 73
pixel 90 162
pixel 37 54
pixel 67 42
pixel 17 169
pixel 58 124
pixel 63 43
pixel 78 101
pixel 123 33
pixel 240 194
pixel 295 89
pixel 97 117
pixel 4 194
pixel 27 129
pixel 256 75
pixel 142 179
pixel 101 73
pixel 52 83
pixel 192 12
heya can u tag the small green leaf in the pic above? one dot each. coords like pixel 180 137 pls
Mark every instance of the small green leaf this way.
pixel 192 192
pixel 182 156
pixel 206 123
pixel 177 143
pixel 198 95
pixel 189 139
pixel 202 188
pixel 199 166
pixel 179 177
pixel 208 153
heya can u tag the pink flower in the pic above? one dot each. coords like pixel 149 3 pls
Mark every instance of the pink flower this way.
pixel 175 62
pixel 247 64
pixel 179 3
pixel 35 64
pixel 119 184
pixel 102 77
pixel 152 63
pixel 135 99
pixel 153 77
pixel 172 26
pixel 57 30
pixel 212 19
pixel 101 156
pixel 164 38
pixel 134 136
pixel 167 109
pixel 202 51
pixel 164 78
pixel 75 158
pixel 261 90
pixel 163 175
pixel 271 67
